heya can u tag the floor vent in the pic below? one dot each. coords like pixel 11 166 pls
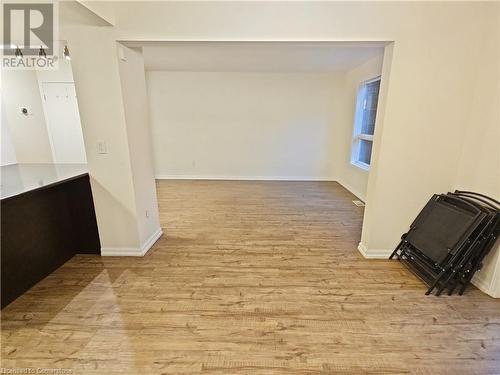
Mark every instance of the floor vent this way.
pixel 358 203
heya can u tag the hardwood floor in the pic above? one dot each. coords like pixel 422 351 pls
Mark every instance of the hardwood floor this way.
pixel 250 278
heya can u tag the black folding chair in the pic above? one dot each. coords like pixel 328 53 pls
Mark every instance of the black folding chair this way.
pixel 449 238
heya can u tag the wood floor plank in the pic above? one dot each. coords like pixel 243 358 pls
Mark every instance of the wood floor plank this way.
pixel 250 278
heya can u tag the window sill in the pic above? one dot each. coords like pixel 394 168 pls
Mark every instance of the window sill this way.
pixel 365 167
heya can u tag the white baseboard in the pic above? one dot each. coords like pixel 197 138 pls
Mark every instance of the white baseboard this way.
pixel 120 252
pixel 478 281
pixel 134 252
pixel 353 191
pixel 373 254
pixel 244 178
pixel 151 241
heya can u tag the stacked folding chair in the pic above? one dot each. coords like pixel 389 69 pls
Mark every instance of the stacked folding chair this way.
pixel 450 237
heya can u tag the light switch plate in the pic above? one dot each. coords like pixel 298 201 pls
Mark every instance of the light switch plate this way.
pixel 101 147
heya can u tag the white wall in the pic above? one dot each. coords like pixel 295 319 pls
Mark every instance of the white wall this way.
pixel 427 99
pixel 103 9
pixel 242 124
pixel 115 188
pixel 8 153
pixel 479 168
pixel 351 177
pixel 104 119
pixel 257 125
pixel 29 133
pixel 135 103
pixel 63 126
pixel 433 66
pixel 63 73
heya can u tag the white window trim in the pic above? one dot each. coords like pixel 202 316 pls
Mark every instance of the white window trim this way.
pixel 356 134
pixel 361 165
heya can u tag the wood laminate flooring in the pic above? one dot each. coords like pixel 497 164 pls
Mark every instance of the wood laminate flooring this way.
pixel 249 278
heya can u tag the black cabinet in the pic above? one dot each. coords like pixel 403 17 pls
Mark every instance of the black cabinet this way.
pixel 42 229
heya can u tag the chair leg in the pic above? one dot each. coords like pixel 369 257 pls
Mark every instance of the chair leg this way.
pixel 396 250
pixel 453 287
pixel 436 282
pixel 394 253
pixel 445 283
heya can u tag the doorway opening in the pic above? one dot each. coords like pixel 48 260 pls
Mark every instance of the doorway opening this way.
pixel 265 110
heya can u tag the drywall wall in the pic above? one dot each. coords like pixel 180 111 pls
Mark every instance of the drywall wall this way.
pixel 242 125
pixel 102 9
pixel 135 103
pixel 479 168
pixel 31 137
pixel 433 64
pixel 63 73
pixel 433 61
pixel 8 153
pixel 104 120
pixel 350 176
pixel 28 132
pixel 120 217
pixel 63 124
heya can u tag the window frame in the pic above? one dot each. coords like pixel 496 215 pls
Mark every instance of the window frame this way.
pixel 357 136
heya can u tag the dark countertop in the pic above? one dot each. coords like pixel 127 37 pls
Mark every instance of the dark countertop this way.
pixel 17 179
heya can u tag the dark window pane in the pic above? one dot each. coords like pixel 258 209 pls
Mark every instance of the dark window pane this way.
pixel 370 107
pixel 365 151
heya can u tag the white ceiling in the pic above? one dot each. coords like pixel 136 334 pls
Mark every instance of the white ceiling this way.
pixel 256 56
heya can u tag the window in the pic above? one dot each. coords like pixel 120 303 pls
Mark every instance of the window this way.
pixel 364 123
